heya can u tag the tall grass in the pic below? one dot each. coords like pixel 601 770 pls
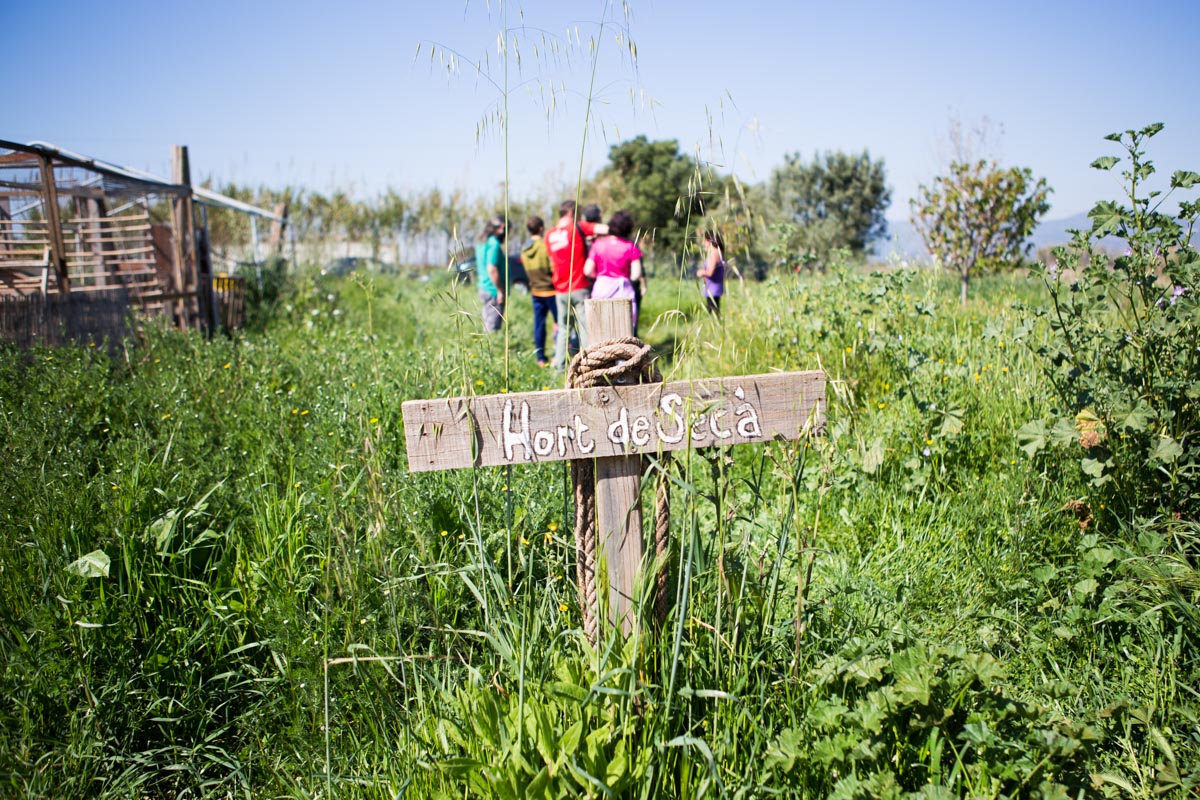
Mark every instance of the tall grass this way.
pixel 902 606
pixel 288 612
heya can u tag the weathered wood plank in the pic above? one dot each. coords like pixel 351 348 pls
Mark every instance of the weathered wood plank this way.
pixel 618 485
pixel 490 430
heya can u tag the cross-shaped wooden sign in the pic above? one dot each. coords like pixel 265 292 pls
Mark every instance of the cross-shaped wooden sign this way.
pixel 616 426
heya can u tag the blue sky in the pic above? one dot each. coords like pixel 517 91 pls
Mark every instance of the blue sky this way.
pixel 335 95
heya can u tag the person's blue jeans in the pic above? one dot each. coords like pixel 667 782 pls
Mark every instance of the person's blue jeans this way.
pixel 541 307
pixel 570 316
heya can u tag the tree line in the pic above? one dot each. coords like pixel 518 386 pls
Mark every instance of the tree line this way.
pixel 975 216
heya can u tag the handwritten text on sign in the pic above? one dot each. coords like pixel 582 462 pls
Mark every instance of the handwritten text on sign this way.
pixel 611 420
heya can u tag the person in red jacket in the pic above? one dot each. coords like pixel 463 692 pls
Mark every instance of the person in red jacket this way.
pixel 565 244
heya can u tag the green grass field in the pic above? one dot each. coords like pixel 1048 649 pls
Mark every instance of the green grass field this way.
pixel 274 607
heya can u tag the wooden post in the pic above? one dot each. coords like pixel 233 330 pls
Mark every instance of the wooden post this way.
pixel 89 209
pixel 4 215
pixel 58 250
pixel 183 246
pixel 618 484
pixel 275 237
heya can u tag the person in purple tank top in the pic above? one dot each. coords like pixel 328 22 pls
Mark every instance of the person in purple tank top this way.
pixel 615 262
pixel 712 271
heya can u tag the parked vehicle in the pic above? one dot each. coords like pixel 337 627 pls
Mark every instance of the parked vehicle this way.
pixel 347 264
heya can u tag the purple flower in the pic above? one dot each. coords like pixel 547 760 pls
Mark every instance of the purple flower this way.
pixel 925 452
pixel 1178 293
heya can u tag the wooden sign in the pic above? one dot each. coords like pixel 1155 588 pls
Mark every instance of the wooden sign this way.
pixel 614 425
pixel 524 428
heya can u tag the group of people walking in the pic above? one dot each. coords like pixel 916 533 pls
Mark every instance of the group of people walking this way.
pixel 574 260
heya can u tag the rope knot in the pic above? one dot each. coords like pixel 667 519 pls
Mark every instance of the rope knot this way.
pixel 616 362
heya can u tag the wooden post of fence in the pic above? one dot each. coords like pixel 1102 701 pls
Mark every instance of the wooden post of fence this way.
pixel 184 241
pixel 58 251
pixel 618 484
pixel 275 239
pixel 4 215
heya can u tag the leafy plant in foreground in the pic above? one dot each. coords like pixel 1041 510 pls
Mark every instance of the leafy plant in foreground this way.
pixel 1122 351
pixel 900 717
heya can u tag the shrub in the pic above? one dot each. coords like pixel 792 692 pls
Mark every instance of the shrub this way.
pixel 1122 350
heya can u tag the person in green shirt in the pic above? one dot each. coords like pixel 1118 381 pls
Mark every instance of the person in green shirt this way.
pixel 490 269
pixel 541 285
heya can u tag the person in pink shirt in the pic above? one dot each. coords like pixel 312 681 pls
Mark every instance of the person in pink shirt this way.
pixel 616 263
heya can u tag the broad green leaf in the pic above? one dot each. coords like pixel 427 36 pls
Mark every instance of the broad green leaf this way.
pixel 1152 129
pixel 1139 417
pixel 1064 433
pixel 1113 137
pixel 914 686
pixel 873 457
pixel 1168 450
pixel 1093 467
pixel 569 743
pixel 952 423
pixel 1106 217
pixel 977 732
pixel 1183 179
pixel 93 565
pixel 1031 437
pixel 1105 162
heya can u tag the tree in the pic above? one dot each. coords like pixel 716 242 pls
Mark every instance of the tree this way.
pixel 835 202
pixel 979 217
pixel 664 190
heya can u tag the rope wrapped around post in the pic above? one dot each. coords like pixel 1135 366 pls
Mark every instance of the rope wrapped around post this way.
pixel 622 361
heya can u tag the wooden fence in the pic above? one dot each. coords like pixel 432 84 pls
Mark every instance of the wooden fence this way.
pixel 52 319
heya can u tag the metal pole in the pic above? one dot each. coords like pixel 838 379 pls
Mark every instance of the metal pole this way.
pixel 254 246
pixel 292 240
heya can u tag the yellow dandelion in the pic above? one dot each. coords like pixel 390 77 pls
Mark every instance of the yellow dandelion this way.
pixel 849 349
pixel 166 416
pixel 295 411
pixel 225 367
pixel 374 420
pixel 504 390
pixel 444 533
pixel 563 607
pixel 524 541
pixel 479 383
pixel 552 527
pixel 304 412
pixel 882 406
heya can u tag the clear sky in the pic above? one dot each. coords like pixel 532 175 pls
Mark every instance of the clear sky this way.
pixel 335 95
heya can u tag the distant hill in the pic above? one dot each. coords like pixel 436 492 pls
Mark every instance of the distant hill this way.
pixel 905 242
